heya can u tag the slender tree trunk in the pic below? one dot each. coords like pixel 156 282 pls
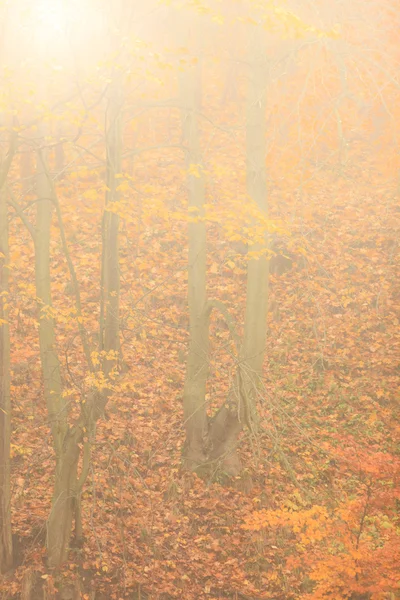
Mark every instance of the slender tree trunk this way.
pixel 63 509
pixel 6 551
pixel 109 325
pixel 240 407
pixel 59 155
pixel 67 437
pixel 218 440
pixel 255 327
pixel 26 168
pixel 194 404
pixel 114 168
pixel 66 449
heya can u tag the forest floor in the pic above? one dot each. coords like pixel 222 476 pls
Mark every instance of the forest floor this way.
pixel 315 512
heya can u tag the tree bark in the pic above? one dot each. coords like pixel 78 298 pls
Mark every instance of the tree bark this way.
pixel 218 440
pixel 66 450
pixel 255 327
pixel 66 437
pixel 26 168
pixel 6 549
pixel 59 524
pixel 59 155
pixel 111 275
pixel 194 404
pixel 240 407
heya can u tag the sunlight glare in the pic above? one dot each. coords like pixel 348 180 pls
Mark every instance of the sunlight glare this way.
pixel 51 16
pixel 53 22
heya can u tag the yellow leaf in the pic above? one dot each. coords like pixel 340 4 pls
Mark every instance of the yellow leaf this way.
pixel 195 170
pixel 214 268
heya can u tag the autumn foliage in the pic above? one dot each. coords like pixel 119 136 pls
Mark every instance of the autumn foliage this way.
pixel 315 511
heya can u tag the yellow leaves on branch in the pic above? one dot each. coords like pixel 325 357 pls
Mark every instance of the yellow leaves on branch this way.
pixel 242 221
pixel 120 208
pixel 294 26
pixel 47 312
pixel 272 15
pixel 196 170
pixel 275 18
pixel 99 357
pixel 98 380
pixel 65 316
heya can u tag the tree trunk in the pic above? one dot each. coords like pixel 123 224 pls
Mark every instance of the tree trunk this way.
pixel 255 327
pixel 66 438
pixel 59 155
pixel 194 404
pixel 26 168
pixel 218 440
pixel 110 271
pixel 66 449
pixel 240 407
pixel 6 551
pixel 28 583
pixel 59 523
